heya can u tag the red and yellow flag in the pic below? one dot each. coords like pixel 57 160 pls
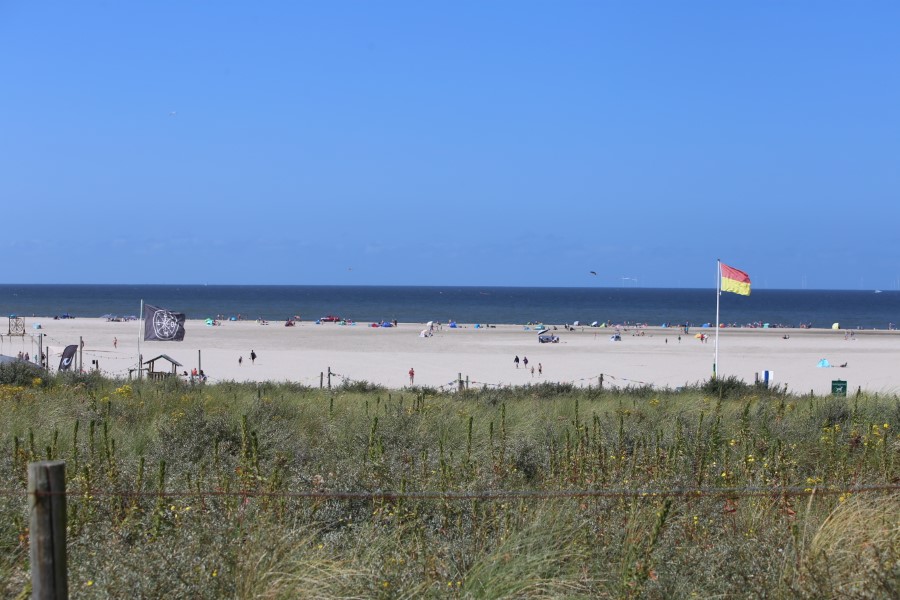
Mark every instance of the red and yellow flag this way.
pixel 734 280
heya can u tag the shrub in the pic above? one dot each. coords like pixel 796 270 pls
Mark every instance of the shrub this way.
pixel 21 373
pixel 729 387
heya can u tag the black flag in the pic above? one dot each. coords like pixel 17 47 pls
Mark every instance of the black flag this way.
pixel 68 357
pixel 162 325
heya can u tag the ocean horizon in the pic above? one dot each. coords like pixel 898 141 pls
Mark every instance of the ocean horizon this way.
pixel 468 304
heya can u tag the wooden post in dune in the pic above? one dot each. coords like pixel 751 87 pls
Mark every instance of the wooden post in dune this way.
pixel 329 378
pixel 321 379
pixel 199 364
pixel 459 381
pixel 47 534
pixel 601 382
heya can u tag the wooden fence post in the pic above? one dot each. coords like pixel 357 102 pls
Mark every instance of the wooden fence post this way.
pixel 47 533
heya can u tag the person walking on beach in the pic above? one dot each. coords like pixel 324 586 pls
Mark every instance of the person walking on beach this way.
pixel 540 370
pixel 240 360
pixel 412 375
pixel 115 342
pixel 525 361
pixel 532 371
pixel 516 360
pixel 253 357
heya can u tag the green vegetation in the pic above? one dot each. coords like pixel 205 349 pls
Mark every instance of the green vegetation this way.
pixel 196 492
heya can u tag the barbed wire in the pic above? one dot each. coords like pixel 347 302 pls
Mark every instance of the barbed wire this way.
pixel 634 493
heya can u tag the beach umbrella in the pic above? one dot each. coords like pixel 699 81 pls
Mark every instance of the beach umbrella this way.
pixel 824 363
pixel 835 325
pixel 698 336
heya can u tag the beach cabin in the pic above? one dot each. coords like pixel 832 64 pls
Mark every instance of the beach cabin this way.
pixel 152 373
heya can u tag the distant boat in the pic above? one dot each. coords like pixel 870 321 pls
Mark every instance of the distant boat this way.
pixel 877 291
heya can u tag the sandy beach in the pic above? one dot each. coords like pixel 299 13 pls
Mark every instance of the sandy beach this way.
pixel 384 355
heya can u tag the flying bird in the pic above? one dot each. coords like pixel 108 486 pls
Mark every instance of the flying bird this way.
pixel 593 272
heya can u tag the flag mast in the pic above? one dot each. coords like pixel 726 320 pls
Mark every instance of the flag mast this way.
pixel 718 296
pixel 140 335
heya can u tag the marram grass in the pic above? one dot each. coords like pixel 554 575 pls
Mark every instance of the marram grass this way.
pixel 192 492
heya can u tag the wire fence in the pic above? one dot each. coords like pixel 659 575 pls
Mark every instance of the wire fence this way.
pixel 623 493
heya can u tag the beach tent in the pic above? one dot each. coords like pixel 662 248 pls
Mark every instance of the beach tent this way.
pixel 824 363
pixel 706 325
pixel 453 324
pixel 423 333
pixel 835 325
pixel 386 324
pixel 699 336
pixel 209 321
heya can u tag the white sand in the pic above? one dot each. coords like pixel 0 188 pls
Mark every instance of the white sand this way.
pixel 385 356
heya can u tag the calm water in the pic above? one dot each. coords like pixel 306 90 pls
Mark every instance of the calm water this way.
pixel 820 308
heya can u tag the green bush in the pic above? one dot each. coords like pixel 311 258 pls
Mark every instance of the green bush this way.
pixel 21 373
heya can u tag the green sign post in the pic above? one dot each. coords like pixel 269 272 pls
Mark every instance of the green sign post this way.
pixel 839 388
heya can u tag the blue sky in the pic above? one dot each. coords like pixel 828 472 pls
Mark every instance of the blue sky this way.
pixel 450 143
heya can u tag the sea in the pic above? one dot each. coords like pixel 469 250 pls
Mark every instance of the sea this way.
pixel 852 309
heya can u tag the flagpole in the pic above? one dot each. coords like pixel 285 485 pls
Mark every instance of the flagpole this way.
pixel 718 295
pixel 140 327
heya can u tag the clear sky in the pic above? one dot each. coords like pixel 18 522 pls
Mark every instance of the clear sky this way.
pixel 450 143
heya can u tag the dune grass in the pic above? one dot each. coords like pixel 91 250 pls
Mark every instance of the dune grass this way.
pixel 180 491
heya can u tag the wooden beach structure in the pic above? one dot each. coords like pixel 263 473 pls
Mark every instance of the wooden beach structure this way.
pixel 152 373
